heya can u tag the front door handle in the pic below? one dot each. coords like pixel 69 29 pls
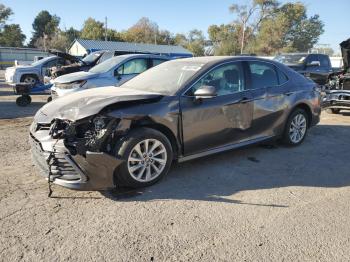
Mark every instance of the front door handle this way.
pixel 288 93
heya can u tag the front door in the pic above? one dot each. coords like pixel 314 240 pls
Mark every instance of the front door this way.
pixel 130 69
pixel 221 120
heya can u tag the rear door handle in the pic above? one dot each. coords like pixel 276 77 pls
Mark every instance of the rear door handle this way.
pixel 288 93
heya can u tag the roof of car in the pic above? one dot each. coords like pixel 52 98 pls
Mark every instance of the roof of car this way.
pixel 134 47
pixel 218 59
pixel 140 56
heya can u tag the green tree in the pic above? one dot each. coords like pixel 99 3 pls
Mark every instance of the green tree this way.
pixel 180 39
pixel 93 29
pixel 249 17
pixel 196 41
pixel 144 31
pixel 59 41
pixel 45 26
pixel 71 34
pixel 12 35
pixel 225 39
pixel 114 35
pixel 5 13
pixel 288 30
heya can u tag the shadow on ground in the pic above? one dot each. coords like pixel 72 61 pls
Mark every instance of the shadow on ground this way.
pixel 9 109
pixel 217 178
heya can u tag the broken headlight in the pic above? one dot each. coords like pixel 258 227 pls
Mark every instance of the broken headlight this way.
pixel 100 125
pixel 96 131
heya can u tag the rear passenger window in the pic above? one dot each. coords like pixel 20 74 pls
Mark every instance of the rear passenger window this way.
pixel 156 62
pixel 262 75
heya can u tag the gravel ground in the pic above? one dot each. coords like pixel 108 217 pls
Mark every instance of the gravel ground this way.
pixel 256 204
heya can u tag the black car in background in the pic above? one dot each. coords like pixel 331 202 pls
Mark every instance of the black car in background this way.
pixel 338 87
pixel 317 67
pixel 177 111
pixel 77 64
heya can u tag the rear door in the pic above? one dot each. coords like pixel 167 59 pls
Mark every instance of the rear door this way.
pixel 130 69
pixel 270 91
pixel 222 120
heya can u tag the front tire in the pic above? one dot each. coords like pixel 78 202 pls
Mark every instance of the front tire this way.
pixel 296 128
pixel 23 100
pixel 147 155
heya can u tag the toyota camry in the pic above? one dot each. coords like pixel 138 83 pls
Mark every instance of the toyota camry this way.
pixel 180 110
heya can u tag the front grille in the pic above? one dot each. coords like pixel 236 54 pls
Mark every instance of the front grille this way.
pixel 60 166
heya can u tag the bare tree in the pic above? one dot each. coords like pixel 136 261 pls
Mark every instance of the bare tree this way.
pixel 251 15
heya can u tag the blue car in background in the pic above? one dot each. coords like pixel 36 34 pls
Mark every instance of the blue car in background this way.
pixel 112 72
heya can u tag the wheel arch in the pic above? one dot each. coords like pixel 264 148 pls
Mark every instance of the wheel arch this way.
pixel 161 128
pixel 28 74
pixel 306 108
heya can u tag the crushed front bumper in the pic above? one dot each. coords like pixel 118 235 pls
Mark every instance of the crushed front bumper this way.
pixel 337 99
pixel 95 171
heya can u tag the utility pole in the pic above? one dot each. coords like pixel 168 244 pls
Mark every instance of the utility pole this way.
pixel 106 29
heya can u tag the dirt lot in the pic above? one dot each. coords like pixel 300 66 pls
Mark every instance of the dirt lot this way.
pixel 255 204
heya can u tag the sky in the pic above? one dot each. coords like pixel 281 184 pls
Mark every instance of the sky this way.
pixel 177 16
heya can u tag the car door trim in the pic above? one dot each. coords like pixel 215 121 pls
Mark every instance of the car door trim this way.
pixel 223 148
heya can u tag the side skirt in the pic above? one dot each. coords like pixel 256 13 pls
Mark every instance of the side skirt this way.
pixel 224 148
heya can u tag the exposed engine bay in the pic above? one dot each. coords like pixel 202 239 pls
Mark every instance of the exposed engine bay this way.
pixel 341 80
pixel 96 134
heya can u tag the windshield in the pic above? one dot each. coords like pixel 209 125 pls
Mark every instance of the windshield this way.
pixel 165 78
pixel 91 57
pixel 42 61
pixel 291 59
pixel 107 65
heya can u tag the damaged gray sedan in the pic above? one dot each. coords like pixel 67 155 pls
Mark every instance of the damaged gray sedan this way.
pixel 180 110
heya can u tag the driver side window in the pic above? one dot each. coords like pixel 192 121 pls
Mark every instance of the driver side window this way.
pixel 227 79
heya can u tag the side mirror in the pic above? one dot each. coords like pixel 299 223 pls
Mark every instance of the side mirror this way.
pixel 117 75
pixel 314 63
pixel 205 92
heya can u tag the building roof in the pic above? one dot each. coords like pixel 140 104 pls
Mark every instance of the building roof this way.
pixel 94 45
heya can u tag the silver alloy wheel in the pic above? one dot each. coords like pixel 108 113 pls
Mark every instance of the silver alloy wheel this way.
pixel 29 80
pixel 297 128
pixel 147 160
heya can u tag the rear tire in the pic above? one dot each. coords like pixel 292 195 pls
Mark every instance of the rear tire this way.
pixel 296 128
pixel 147 155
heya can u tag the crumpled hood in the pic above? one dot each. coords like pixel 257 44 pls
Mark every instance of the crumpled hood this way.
pixel 88 102
pixel 77 76
pixel 66 56
pixel 345 51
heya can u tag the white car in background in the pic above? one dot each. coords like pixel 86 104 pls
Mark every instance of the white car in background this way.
pixel 112 72
pixel 32 74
